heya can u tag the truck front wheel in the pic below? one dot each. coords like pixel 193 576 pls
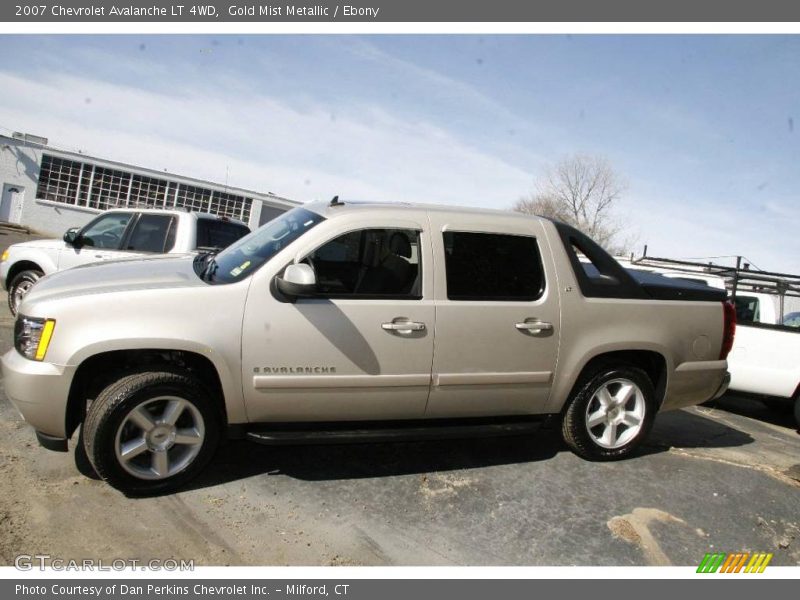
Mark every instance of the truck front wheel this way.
pixel 151 432
pixel 610 414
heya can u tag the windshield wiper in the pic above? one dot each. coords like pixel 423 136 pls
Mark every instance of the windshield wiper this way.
pixel 200 258
pixel 208 271
pixel 200 263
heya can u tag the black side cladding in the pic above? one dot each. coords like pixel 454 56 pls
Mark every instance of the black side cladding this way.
pixel 604 277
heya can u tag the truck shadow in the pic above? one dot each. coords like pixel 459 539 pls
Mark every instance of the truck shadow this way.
pixel 238 460
pixel 687 429
pixel 242 459
pixel 776 411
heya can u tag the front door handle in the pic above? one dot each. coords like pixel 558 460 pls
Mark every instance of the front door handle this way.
pixel 403 326
pixel 534 326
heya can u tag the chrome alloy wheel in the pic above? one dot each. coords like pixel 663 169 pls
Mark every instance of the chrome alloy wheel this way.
pixel 159 438
pixel 20 291
pixel 615 413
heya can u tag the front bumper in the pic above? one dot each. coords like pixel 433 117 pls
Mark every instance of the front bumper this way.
pixel 39 391
pixel 4 267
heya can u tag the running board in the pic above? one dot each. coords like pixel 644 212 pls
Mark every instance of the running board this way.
pixel 278 434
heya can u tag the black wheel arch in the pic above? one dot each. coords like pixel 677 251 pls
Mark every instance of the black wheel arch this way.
pixel 17 268
pixel 653 363
pixel 100 370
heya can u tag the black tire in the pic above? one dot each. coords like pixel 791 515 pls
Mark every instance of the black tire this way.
pixel 20 281
pixel 782 406
pixel 109 418
pixel 575 427
pixel 82 462
pixel 797 411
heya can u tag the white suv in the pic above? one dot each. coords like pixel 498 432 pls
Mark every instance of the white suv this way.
pixel 115 234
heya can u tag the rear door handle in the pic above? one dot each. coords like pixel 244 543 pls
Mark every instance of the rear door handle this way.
pixel 534 326
pixel 403 326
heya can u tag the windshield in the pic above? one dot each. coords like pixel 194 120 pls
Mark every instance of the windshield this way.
pixel 248 254
pixel 792 320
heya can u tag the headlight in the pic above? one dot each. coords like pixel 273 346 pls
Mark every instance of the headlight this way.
pixel 32 336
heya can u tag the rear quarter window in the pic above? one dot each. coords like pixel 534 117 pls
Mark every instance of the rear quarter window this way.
pixel 218 234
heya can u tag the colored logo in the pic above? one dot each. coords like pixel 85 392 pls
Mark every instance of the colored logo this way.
pixel 739 562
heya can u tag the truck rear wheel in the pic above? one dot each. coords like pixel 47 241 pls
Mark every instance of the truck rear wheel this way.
pixel 20 286
pixel 610 414
pixel 151 432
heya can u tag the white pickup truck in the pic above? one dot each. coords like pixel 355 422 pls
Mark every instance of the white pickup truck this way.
pixel 765 358
pixel 115 234
pixel 765 355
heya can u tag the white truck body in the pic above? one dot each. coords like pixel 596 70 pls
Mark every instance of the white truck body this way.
pixel 765 358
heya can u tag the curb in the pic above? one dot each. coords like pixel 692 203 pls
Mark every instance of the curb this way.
pixel 15 227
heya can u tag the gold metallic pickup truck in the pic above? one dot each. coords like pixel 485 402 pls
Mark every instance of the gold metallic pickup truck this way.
pixel 348 321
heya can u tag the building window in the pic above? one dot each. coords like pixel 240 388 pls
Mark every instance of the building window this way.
pixel 109 189
pixel 231 205
pixel 92 186
pixel 193 198
pixel 59 180
pixel 149 192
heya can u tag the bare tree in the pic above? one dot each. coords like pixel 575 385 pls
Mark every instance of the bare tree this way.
pixel 582 191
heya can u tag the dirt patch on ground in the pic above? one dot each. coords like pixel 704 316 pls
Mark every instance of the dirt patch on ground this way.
pixel 52 517
pixel 13 512
pixel 623 529
pixel 635 528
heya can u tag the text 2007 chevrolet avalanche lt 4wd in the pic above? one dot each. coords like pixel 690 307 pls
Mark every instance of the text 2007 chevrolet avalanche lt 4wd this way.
pixel 339 321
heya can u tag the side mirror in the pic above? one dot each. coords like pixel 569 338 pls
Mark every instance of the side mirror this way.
pixel 298 281
pixel 72 236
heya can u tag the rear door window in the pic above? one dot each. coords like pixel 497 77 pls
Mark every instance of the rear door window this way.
pixel 490 266
pixel 152 233
pixel 218 234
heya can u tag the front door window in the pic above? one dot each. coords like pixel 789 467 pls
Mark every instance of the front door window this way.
pixel 106 231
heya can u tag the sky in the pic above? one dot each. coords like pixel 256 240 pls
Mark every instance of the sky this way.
pixel 704 130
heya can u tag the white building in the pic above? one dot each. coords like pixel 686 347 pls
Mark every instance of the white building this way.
pixel 51 190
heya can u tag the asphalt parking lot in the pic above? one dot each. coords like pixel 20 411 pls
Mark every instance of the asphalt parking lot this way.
pixel 712 478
